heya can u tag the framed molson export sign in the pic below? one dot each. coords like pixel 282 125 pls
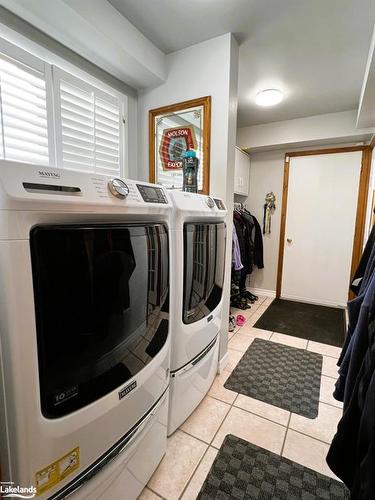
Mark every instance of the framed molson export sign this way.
pixel 173 130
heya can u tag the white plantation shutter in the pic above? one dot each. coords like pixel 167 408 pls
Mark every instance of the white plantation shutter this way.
pixel 23 112
pixel 90 129
pixel 77 128
pixel 108 124
pixel 50 117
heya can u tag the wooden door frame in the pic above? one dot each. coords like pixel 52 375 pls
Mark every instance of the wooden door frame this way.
pixel 360 220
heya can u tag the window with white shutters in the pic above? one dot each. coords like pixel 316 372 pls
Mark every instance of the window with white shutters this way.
pixel 23 111
pixel 89 125
pixel 50 117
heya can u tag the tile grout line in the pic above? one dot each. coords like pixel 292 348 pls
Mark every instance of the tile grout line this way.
pixel 262 416
pixel 308 435
pixel 231 406
pixel 327 355
pixel 286 427
pixel 329 376
pixel 286 433
pixel 197 438
pixel 208 447
pixel 195 468
pixel 331 405
pixel 154 492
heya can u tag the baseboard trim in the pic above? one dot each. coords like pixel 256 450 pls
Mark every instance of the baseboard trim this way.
pixel 223 362
pixel 316 302
pixel 263 292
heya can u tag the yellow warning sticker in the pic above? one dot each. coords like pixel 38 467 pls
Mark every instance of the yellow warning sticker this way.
pixel 57 471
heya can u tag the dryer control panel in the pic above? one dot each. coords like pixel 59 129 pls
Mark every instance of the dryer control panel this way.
pixel 152 194
pixel 219 203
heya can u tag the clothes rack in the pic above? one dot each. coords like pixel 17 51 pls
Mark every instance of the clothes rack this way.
pixel 247 252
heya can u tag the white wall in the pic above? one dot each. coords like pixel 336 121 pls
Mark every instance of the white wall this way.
pixel 97 31
pixel 208 68
pixel 331 128
pixel 267 174
pixel 366 108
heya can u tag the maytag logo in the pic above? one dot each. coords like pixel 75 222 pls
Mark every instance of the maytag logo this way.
pixel 125 391
pixel 46 173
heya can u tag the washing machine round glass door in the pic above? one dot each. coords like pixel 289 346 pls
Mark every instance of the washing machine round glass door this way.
pixel 101 303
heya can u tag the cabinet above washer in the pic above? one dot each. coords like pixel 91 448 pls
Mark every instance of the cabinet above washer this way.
pixel 241 172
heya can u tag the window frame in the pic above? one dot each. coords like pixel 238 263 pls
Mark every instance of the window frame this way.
pixel 22 58
pixel 51 73
pixel 58 75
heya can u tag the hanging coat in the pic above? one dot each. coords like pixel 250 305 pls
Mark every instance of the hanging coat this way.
pixel 352 453
pixel 359 312
pixel 366 257
pixel 236 252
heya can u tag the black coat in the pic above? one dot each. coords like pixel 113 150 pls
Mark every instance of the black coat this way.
pixel 255 240
pixel 352 452
pixel 366 257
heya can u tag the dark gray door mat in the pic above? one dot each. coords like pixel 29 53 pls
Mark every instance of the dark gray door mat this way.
pixel 308 321
pixel 242 470
pixel 280 375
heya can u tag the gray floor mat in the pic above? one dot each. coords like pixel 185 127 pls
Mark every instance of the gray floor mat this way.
pixel 307 321
pixel 280 375
pixel 243 471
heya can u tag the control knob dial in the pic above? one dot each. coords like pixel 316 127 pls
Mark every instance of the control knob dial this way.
pixel 118 188
pixel 210 202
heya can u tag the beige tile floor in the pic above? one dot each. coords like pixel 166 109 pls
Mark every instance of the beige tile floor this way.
pixel 193 448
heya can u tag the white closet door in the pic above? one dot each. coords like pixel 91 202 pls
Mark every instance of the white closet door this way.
pixel 320 223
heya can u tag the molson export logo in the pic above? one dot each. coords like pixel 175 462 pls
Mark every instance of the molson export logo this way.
pixel 174 142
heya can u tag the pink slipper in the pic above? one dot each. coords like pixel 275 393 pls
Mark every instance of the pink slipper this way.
pixel 240 320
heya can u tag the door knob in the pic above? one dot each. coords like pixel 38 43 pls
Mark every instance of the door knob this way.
pixel 289 240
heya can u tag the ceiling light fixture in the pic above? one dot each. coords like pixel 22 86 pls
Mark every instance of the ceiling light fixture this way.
pixel 269 97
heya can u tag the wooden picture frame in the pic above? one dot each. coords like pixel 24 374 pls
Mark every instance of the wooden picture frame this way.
pixel 161 120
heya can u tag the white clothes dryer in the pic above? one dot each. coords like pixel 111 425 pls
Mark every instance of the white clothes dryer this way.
pixel 84 319
pixel 198 238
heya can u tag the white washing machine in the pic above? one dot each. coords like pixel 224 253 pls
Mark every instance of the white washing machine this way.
pixel 84 319
pixel 198 237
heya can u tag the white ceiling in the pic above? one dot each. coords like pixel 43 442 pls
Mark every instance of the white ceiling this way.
pixel 313 50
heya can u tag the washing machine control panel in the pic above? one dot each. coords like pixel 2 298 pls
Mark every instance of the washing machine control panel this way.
pixel 152 194
pixel 118 188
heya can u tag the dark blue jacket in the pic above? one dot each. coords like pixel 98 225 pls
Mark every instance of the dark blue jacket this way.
pixel 352 453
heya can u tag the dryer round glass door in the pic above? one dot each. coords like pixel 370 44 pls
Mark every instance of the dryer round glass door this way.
pixel 204 257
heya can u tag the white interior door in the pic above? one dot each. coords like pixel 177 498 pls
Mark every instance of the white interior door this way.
pixel 320 223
